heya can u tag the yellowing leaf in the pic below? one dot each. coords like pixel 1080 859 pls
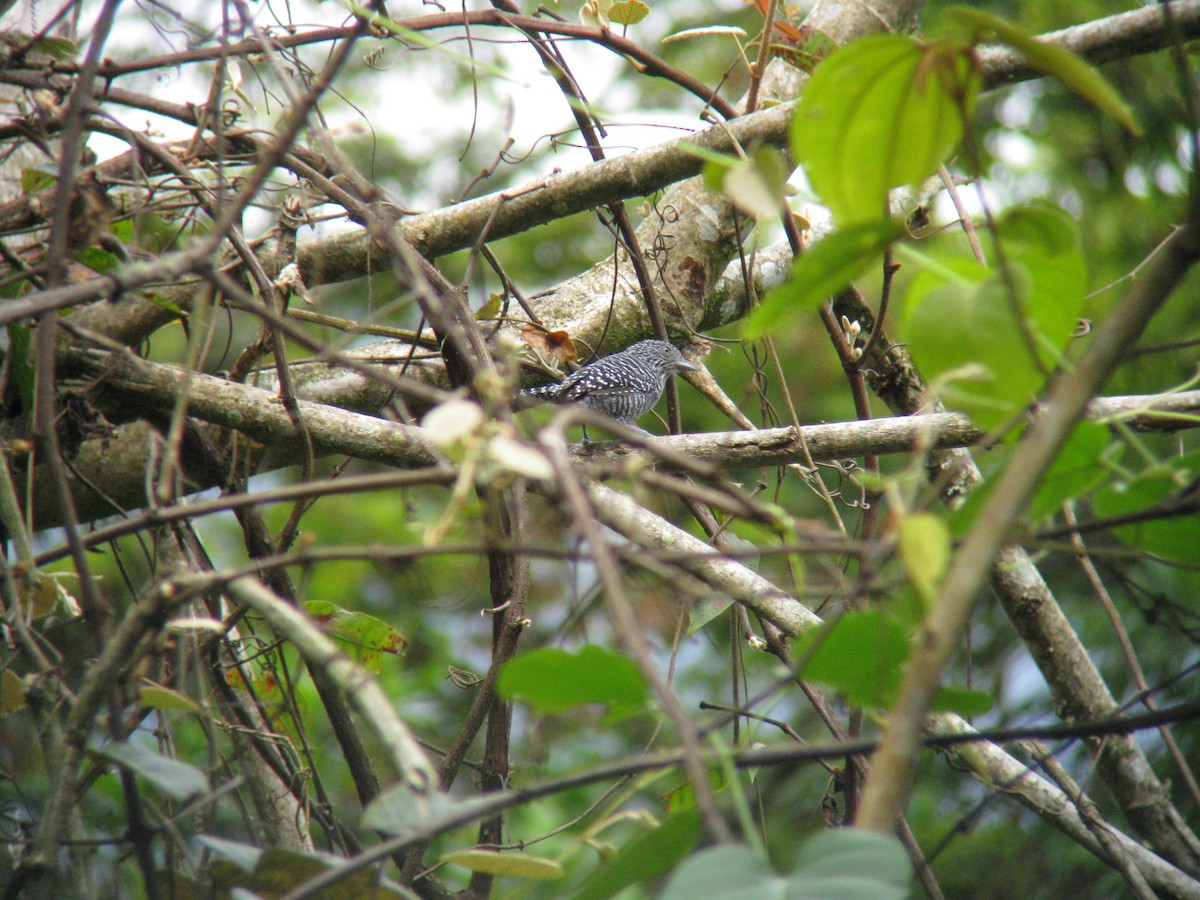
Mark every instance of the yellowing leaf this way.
pixel 925 551
pixel 731 30
pixel 516 865
pixel 12 692
pixel 363 637
pixel 628 12
pixel 155 696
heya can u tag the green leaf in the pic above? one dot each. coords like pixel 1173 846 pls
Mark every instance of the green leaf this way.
pixel 881 113
pixel 925 552
pixel 163 303
pixel 98 260
pixel 241 869
pixel 757 184
pixel 490 310
pixel 961 700
pixel 155 696
pixel 23 370
pixel 514 865
pixel 728 872
pixel 1076 470
pixel 1172 537
pixel 848 862
pixel 861 655
pixel 628 12
pixel 244 856
pixel 174 778
pixel 553 680
pixel 645 856
pixel 730 30
pixel 34 180
pixel 683 797
pixel 967 331
pixel 705 609
pixel 398 809
pixel 835 864
pixel 1058 62
pixel 825 269
pixel 806 53
pixel 59 48
pixel 363 637
pixel 13 692
pixel 1044 242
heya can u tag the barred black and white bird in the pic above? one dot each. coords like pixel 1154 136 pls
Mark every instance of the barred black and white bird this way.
pixel 623 386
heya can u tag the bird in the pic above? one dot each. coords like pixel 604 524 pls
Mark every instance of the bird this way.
pixel 623 386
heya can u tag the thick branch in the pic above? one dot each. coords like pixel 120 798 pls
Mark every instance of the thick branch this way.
pixel 117 460
pixel 998 771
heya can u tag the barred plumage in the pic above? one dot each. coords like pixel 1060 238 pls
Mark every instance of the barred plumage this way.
pixel 623 386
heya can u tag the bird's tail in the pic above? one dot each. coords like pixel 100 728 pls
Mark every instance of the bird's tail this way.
pixel 528 397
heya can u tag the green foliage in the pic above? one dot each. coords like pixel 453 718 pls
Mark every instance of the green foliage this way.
pixel 364 637
pixel 649 854
pixel 24 373
pixel 756 183
pixel 989 338
pixel 924 543
pixel 1080 467
pixel 155 696
pixel 683 798
pixel 244 868
pixel 173 777
pixel 1056 62
pixel 1080 204
pixel 832 865
pixel 628 12
pixel 513 865
pixel 553 680
pixel 881 113
pixel 399 809
pixel 1169 488
pixel 35 180
pixel 98 260
pixel 863 654
pixel 822 271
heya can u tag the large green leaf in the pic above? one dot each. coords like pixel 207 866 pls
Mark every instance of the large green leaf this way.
pixel 924 543
pixel 512 865
pixel 246 870
pixel 863 655
pixel 645 856
pixel 987 342
pixel 881 113
pixel 847 862
pixel 822 271
pixel 1078 468
pixel 553 680
pixel 833 865
pixel 1154 491
pixel 174 778
pixel 399 809
pixel 730 872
